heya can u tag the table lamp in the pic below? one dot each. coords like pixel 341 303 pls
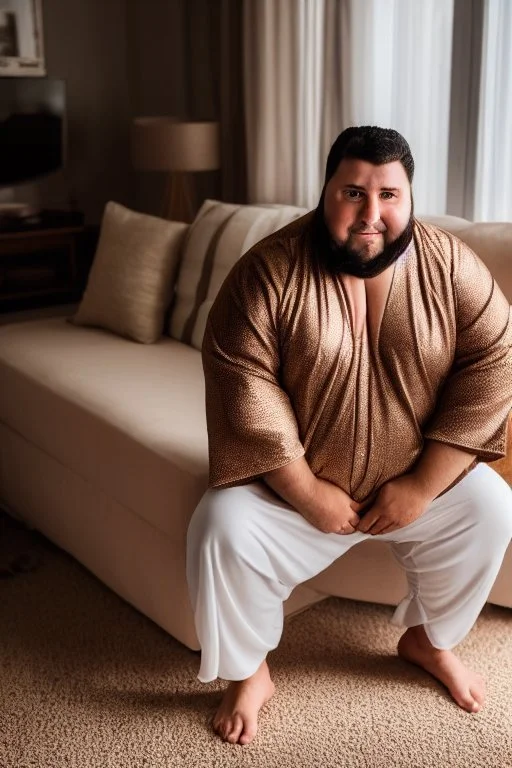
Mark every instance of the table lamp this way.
pixel 180 149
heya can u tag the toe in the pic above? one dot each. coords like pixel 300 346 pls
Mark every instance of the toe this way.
pixel 473 705
pixel 247 735
pixel 468 702
pixel 236 729
pixel 223 727
pixel 217 724
pixel 478 695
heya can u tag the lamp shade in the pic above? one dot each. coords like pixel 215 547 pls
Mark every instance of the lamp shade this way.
pixel 166 144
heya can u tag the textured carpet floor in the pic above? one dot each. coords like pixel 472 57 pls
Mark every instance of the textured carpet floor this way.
pixel 85 680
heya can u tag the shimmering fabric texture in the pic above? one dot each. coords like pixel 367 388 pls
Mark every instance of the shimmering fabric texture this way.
pixel 354 374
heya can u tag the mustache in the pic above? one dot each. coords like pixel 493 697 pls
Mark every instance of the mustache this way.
pixel 367 231
pixel 377 229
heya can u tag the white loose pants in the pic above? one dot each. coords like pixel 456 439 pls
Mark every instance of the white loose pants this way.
pixel 247 550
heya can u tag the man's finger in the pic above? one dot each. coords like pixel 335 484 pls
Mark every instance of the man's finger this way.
pixel 380 527
pixel 384 525
pixel 389 528
pixel 367 522
pixel 346 528
pixel 354 522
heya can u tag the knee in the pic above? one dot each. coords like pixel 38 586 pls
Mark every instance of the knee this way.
pixel 492 507
pixel 220 520
pixel 501 514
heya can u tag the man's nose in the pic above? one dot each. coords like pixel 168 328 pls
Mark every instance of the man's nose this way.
pixel 370 213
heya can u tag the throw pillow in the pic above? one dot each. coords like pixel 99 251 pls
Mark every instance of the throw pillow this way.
pixel 132 277
pixel 218 236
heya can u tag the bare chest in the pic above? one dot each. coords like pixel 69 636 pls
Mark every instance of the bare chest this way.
pixel 366 302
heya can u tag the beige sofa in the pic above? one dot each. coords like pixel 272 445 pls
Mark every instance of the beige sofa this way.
pixel 103 441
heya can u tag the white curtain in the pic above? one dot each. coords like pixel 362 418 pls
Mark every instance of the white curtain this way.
pixel 398 76
pixel 493 185
pixel 314 67
pixel 283 99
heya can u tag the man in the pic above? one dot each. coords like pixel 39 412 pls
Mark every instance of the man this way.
pixel 357 366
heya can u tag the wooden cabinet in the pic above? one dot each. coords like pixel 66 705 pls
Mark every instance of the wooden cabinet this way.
pixel 40 266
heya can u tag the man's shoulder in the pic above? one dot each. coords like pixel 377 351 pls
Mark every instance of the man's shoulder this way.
pixel 434 242
pixel 434 233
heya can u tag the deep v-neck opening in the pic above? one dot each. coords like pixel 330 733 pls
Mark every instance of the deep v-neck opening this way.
pixel 375 339
pixel 357 297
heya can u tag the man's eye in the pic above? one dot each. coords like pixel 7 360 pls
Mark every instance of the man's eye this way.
pixel 387 195
pixel 353 194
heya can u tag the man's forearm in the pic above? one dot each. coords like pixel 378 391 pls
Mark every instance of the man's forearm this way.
pixel 295 483
pixel 439 466
pixel 320 502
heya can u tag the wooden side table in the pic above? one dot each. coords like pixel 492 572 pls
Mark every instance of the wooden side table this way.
pixel 39 265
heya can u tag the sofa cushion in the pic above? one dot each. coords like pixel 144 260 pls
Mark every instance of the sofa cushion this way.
pixel 127 418
pixel 219 235
pixel 131 280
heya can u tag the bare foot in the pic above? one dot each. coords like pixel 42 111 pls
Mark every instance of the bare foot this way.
pixel 236 720
pixel 466 687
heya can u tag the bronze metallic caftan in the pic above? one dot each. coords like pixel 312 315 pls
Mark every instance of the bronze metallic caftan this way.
pixel 300 362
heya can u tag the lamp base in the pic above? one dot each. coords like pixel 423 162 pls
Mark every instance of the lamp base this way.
pixel 179 203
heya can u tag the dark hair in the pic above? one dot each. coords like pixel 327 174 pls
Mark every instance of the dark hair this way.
pixel 373 144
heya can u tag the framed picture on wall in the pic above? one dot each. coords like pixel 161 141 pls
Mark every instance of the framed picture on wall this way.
pixel 21 38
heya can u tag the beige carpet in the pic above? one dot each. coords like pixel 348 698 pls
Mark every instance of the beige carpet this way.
pixel 85 680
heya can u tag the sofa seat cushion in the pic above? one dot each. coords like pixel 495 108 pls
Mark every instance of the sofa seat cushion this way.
pixel 126 417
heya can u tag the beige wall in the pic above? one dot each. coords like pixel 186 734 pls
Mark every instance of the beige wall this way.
pixel 86 45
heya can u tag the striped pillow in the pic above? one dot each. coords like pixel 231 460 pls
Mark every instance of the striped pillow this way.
pixel 219 235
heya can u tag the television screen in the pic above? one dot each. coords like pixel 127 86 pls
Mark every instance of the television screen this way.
pixel 32 126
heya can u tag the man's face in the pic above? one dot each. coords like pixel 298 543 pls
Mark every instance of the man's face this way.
pixel 367 207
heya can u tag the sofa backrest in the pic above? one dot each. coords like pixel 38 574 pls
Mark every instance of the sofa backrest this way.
pixel 222 232
pixel 218 236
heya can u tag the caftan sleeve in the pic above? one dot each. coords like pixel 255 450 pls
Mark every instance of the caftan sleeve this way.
pixel 252 427
pixel 472 413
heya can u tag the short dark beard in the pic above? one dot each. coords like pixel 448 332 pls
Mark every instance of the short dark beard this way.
pixel 341 259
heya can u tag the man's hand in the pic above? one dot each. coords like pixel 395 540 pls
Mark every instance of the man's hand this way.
pixel 398 503
pixel 334 511
pixel 321 503
pixel 402 500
